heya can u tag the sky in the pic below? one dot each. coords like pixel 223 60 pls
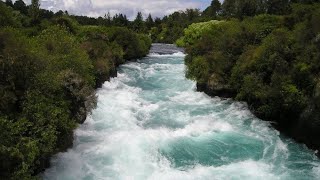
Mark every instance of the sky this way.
pixel 96 8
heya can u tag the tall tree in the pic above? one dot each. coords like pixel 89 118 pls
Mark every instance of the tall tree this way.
pixel 138 23
pixel 149 22
pixel 108 19
pixel 139 17
pixel 21 6
pixel 241 8
pixel 120 20
pixel 229 8
pixel 34 10
pixel 215 8
pixel 246 8
pixel 191 14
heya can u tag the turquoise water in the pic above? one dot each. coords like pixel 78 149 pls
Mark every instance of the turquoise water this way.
pixel 150 123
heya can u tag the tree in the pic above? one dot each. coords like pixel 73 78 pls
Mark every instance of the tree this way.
pixel 59 13
pixel 120 20
pixel 139 17
pixel 228 8
pixel 21 6
pixel 242 8
pixel 34 10
pixel 246 8
pixel 6 16
pixel 278 7
pixel 215 8
pixel 138 23
pixel 9 3
pixel 149 22
pixel 108 19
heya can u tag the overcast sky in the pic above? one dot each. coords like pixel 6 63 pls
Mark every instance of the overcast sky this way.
pixel 95 8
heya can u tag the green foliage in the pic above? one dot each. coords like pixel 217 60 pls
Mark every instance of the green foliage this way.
pixel 68 23
pixel 8 17
pixel 34 11
pixel 104 54
pixel 63 52
pixel 149 22
pixel 138 24
pixel 134 45
pixel 271 62
pixel 243 8
pixel 171 27
pixel 194 32
pixel 214 9
pixel 198 70
pixel 21 6
pixel 48 71
pixel 37 96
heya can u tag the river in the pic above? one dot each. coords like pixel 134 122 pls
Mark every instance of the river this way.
pixel 151 124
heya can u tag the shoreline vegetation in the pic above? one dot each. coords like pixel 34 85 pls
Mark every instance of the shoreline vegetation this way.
pixel 263 52
pixel 50 66
pixel 269 58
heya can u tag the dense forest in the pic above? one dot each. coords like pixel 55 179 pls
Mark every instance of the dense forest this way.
pixel 266 53
pixel 50 65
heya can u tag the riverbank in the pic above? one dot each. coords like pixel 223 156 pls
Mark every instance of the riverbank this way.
pixel 271 62
pixel 50 69
pixel 68 140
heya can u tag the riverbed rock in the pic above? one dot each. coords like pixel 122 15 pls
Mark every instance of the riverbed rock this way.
pixel 216 87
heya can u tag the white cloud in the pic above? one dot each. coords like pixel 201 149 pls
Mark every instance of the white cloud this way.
pixel 129 7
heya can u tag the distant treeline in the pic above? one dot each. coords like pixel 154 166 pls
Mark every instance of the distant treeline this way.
pixel 50 66
pixel 171 27
pixel 266 53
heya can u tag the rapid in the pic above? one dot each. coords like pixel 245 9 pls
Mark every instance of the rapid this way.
pixel 151 124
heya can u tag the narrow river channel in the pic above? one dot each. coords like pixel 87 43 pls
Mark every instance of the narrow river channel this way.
pixel 150 123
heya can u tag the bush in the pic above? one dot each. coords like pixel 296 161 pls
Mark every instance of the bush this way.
pixel 134 45
pixel 194 32
pixel 198 70
pixel 68 23
pixel 45 90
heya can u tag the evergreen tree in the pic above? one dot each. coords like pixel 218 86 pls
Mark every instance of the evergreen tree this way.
pixel 108 19
pixel 278 7
pixel 120 20
pixel 139 17
pixel 9 3
pixel 34 10
pixel 242 8
pixel 228 8
pixel 138 23
pixel 246 8
pixel 149 22
pixel 215 8
pixel 21 6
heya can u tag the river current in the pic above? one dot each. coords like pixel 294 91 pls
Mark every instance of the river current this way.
pixel 151 124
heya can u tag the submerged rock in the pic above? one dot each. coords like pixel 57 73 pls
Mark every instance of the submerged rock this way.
pixel 216 87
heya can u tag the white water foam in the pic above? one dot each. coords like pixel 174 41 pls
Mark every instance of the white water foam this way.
pixel 177 54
